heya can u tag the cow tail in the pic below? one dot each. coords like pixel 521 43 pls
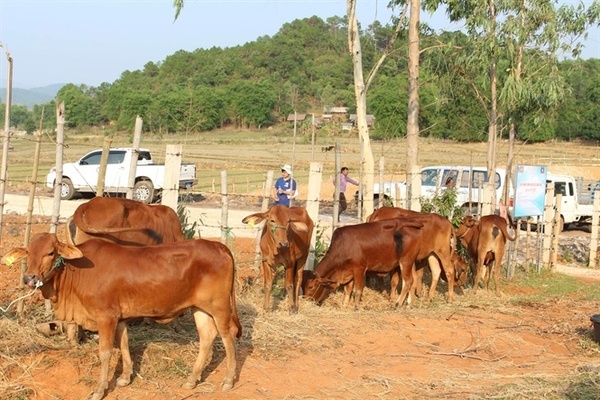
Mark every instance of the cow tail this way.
pixel 504 230
pixel 398 240
pixel 234 313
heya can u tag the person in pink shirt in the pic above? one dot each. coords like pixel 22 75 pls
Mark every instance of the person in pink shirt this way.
pixel 344 180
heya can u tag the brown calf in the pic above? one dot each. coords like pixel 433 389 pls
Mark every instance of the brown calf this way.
pixel 485 241
pixel 285 240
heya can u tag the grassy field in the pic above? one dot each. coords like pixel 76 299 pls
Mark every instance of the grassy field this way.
pixel 248 155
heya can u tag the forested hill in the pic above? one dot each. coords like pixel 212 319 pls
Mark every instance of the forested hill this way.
pixel 33 96
pixel 306 67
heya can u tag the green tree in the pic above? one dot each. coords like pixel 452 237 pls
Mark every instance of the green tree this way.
pixel 251 104
pixel 78 105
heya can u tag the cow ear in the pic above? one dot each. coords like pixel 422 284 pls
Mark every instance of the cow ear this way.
pixel 471 222
pixel 254 219
pixel 299 226
pixel 69 252
pixel 13 255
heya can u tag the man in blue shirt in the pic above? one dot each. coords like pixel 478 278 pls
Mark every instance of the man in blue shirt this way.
pixel 285 187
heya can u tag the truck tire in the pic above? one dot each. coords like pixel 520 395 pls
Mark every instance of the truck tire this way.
pixel 143 191
pixel 66 189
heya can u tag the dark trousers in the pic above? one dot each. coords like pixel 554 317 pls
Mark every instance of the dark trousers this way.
pixel 343 203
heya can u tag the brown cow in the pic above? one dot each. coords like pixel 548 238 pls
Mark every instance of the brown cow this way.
pixel 378 247
pixel 485 241
pixel 124 221
pixel 100 285
pixel 285 240
pixel 439 243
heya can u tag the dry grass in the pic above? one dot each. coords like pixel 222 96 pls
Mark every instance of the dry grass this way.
pixel 280 335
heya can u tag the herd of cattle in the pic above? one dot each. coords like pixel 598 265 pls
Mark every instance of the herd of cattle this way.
pixel 123 260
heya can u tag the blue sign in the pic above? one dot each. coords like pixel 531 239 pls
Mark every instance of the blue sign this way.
pixel 530 192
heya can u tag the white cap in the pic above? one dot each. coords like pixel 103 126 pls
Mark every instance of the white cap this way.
pixel 287 168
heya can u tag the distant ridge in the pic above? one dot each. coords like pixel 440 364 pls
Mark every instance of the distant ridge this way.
pixel 31 97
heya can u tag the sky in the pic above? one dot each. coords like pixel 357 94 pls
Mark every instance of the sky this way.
pixel 94 41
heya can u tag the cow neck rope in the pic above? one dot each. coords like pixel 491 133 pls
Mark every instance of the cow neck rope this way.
pixel 274 227
pixel 463 235
pixel 60 261
pixel 5 310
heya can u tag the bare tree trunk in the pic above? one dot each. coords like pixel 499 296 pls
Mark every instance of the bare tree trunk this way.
pixel 513 129
pixel 412 123
pixel 492 119
pixel 361 108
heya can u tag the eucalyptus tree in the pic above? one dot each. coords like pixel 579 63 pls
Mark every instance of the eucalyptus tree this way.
pixel 511 62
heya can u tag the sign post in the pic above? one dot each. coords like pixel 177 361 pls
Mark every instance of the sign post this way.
pixel 530 195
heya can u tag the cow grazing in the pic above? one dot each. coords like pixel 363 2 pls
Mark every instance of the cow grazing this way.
pixel 437 247
pixel 285 240
pixel 100 285
pixel 378 247
pixel 124 221
pixel 461 268
pixel 485 241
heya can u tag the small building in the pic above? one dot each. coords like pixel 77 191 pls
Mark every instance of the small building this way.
pixel 335 114
pixel 370 119
pixel 297 117
pixel 347 126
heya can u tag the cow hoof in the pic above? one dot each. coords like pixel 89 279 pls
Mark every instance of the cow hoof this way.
pixel 96 396
pixel 226 386
pixel 189 385
pixel 123 381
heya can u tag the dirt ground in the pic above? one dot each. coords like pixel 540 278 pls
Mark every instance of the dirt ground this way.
pixel 482 346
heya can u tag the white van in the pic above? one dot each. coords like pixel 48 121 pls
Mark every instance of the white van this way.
pixel 467 180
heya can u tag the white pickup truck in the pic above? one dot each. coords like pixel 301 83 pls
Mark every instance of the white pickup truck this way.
pixel 82 176
pixel 571 210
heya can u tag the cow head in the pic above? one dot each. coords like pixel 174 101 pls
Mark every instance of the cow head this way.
pixel 316 287
pixel 278 225
pixel 461 269
pixel 467 222
pixel 45 256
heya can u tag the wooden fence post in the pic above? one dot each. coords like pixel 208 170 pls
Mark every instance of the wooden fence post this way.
pixel 264 207
pixel 594 236
pixel 103 164
pixel 170 194
pixel 555 231
pixel 547 224
pixel 137 138
pixel 315 178
pixel 224 207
